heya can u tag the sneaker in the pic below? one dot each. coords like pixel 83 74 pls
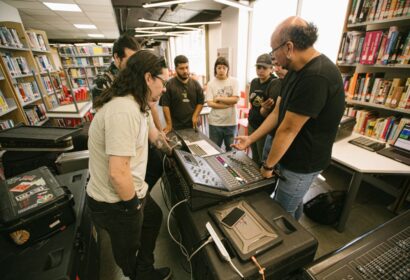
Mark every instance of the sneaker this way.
pixel 163 273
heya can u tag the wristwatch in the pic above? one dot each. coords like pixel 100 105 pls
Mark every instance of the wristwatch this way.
pixel 264 166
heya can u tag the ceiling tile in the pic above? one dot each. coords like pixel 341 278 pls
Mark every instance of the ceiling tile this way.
pixel 52 18
pixel 36 25
pixel 60 1
pixel 108 15
pixel 95 8
pixel 40 12
pixel 26 4
pixel 94 2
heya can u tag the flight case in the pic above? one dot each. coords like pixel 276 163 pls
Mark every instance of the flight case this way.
pixel 34 206
pixel 72 254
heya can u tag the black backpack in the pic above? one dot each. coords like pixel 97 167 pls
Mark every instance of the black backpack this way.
pixel 325 208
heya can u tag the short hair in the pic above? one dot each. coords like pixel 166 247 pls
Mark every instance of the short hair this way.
pixel 302 36
pixel 180 59
pixel 125 41
pixel 221 61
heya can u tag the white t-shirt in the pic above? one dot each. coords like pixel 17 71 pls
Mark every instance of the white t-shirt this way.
pixel 228 87
pixel 119 128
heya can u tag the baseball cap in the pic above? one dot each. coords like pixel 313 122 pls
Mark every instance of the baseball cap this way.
pixel 264 60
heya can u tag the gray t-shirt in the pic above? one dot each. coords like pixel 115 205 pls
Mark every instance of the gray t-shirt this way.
pixel 226 88
pixel 119 128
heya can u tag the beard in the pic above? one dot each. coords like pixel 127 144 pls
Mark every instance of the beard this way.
pixel 186 77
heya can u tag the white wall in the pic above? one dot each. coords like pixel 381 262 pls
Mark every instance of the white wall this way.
pixel 234 35
pixel 229 25
pixel 330 24
pixel 9 13
pixel 215 41
pixel 267 14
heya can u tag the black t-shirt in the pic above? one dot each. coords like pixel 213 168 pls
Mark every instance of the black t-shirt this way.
pixel 315 91
pixel 182 99
pixel 258 93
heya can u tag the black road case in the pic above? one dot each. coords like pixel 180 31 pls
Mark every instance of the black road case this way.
pixel 71 254
pixel 33 206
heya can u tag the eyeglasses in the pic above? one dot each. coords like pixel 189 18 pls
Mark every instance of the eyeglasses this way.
pixel 272 53
pixel 164 82
pixel 261 67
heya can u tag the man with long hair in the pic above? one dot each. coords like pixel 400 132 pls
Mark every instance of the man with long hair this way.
pixel 117 195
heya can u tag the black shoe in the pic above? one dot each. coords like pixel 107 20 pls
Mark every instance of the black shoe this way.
pixel 163 273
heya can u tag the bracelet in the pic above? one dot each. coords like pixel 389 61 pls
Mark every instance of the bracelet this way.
pixel 264 166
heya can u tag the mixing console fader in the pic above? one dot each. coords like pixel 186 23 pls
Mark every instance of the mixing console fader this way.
pixel 224 174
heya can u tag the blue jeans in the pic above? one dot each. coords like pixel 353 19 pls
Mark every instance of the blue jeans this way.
pixel 290 193
pixel 225 134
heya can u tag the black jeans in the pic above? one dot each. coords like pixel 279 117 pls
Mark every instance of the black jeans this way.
pixel 130 231
pixel 154 167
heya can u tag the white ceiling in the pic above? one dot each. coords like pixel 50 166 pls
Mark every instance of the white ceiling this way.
pixel 59 25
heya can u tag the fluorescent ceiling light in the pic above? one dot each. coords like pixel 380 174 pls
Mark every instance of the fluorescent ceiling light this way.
pixel 166 3
pixel 154 28
pixel 85 26
pixel 157 35
pixel 62 7
pixel 156 22
pixel 234 4
pixel 96 35
pixel 148 32
pixel 177 24
pixel 150 35
pixel 200 23
pixel 188 28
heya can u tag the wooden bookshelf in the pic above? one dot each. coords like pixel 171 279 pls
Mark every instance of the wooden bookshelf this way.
pixel 374 59
pixel 83 62
pixel 20 86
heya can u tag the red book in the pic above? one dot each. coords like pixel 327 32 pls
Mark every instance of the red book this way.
pixel 374 47
pixel 366 47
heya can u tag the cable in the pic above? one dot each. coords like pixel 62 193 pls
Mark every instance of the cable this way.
pixel 200 247
pixel 261 269
pixel 236 269
pixel 164 175
pixel 181 246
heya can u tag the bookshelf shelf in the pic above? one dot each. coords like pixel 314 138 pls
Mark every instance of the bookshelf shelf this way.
pixel 11 109
pixel 39 51
pixel 85 66
pixel 374 58
pixel 387 22
pixel 22 76
pixel 30 102
pixel 40 123
pixel 396 66
pixel 378 106
pixel 85 55
pixel 69 111
pixel 14 48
